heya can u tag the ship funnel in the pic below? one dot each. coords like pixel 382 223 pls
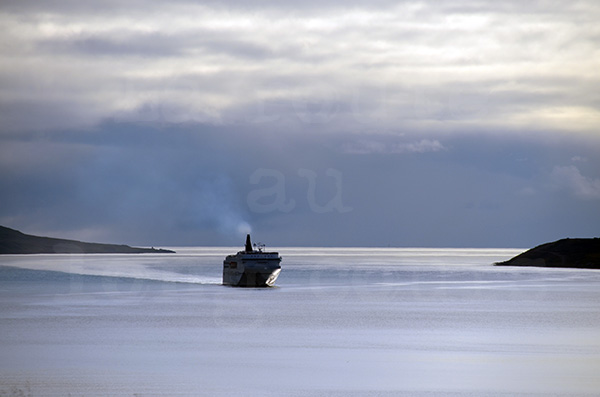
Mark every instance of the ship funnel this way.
pixel 248 244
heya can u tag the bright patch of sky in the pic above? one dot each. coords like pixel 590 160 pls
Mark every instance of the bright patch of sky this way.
pixel 469 64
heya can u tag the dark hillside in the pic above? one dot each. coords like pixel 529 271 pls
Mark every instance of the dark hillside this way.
pixel 569 252
pixel 14 242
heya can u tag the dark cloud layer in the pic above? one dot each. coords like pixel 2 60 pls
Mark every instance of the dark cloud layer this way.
pixel 199 184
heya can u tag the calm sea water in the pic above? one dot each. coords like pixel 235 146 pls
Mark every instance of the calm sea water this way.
pixel 422 322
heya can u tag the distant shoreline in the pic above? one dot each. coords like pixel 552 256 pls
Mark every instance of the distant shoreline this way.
pixel 15 242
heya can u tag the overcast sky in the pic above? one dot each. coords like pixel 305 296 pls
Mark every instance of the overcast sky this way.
pixel 328 123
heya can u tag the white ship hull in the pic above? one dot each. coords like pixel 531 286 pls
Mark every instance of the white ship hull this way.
pixel 251 268
pixel 250 272
pixel 252 275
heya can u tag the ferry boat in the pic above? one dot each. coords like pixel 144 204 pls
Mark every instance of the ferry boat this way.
pixel 251 267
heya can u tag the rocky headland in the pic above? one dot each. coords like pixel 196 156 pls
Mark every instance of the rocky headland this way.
pixel 580 253
pixel 14 242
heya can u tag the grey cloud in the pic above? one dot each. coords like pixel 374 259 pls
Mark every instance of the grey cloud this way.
pixel 211 72
pixel 382 147
pixel 463 6
pixel 124 44
pixel 147 45
pixel 114 6
pixel 569 177
pixel 42 113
